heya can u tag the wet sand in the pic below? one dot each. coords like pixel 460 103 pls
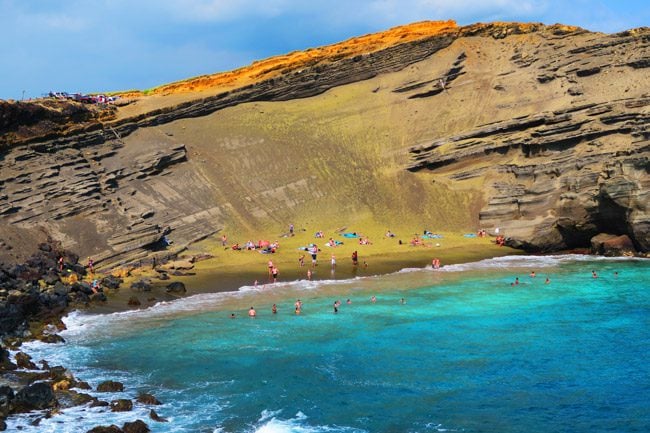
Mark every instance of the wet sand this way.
pixel 214 276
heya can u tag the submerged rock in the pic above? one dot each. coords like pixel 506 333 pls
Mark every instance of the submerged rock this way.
pixel 154 416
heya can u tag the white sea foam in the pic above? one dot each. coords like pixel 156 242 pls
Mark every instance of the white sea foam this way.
pixel 81 325
pixel 269 423
pixel 527 262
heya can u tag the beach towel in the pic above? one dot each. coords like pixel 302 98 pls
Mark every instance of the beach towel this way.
pixel 432 236
pixel 470 235
pixel 350 235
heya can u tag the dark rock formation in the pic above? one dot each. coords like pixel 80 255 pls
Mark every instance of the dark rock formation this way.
pixel 106 429
pixel 110 386
pixel 612 245
pixel 143 285
pixel 154 416
pixel 134 301
pixel 111 282
pixel 121 405
pixel 136 426
pixel 6 396
pixel 36 396
pixel 148 399
pixel 176 287
pixel 5 360
pixel 23 360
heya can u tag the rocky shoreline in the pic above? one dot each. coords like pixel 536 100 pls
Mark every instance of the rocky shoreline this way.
pixel 33 297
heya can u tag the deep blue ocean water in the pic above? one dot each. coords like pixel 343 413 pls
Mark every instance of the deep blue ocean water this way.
pixel 467 351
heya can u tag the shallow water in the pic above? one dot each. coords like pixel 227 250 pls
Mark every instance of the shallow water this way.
pixel 468 351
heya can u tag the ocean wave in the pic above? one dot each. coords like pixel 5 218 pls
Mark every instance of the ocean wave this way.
pixel 528 262
pixel 270 423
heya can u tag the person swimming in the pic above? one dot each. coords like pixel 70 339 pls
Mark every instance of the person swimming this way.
pixel 251 312
pixel 274 309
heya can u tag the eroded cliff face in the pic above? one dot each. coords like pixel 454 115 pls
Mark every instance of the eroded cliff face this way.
pixel 541 131
pixel 555 179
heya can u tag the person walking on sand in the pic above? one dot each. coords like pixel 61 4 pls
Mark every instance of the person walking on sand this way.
pixel 314 255
pixel 290 229
pixel 309 273
pixel 333 261
pixel 224 240
pixel 251 312
pixel 270 266
pixel 274 273
pixel 355 258
pixel 301 260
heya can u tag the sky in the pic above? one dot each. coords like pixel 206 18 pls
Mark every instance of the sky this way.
pixel 111 45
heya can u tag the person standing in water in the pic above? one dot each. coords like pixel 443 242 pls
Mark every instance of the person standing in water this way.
pixel 333 261
pixel 251 312
pixel 355 258
pixel 274 309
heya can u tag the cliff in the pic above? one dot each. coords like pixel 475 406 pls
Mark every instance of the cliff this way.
pixel 539 130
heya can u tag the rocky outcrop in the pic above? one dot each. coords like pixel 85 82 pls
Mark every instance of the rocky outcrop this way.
pixel 555 179
pixel 564 177
pixel 110 386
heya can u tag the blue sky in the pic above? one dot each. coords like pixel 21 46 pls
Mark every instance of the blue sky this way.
pixel 107 45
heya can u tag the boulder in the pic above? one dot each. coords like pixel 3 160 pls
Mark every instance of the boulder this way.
pixel 136 426
pixel 61 289
pixel 148 399
pixel 51 278
pixel 5 360
pixel 98 297
pixel 612 245
pixel 36 396
pixel 62 385
pixel 51 338
pixel 59 373
pixel 106 429
pixel 110 386
pixel 134 301
pixel 23 360
pixel 83 385
pixel 121 405
pixel 176 287
pixel 6 396
pixel 143 285
pixel 111 282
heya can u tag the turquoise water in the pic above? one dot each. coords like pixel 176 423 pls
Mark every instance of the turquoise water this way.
pixel 468 352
